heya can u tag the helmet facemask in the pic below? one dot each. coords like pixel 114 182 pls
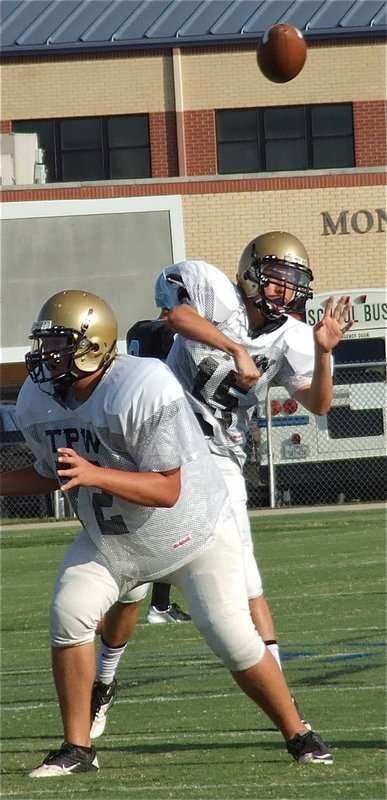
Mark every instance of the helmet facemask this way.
pixel 75 335
pixel 53 356
pixel 274 273
pixel 290 287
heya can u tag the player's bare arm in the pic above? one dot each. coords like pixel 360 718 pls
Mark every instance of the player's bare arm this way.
pixel 328 332
pixel 185 320
pixel 26 481
pixel 152 489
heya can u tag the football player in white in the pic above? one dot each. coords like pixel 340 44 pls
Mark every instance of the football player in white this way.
pixel 118 435
pixel 149 338
pixel 153 338
pixel 233 342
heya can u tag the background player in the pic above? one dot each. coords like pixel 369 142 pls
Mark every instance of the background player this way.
pixel 146 338
pixel 230 335
pixel 154 338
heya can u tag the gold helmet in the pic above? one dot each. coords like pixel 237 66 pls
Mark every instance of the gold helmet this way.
pixel 76 332
pixel 276 258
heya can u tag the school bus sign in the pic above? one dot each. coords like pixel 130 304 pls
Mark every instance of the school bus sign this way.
pixel 369 308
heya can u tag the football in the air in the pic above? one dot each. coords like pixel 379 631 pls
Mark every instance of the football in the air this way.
pixel 281 53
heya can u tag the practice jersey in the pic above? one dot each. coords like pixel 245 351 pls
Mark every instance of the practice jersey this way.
pixel 283 353
pixel 137 419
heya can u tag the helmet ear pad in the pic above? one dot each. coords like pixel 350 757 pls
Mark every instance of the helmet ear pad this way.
pixel 91 354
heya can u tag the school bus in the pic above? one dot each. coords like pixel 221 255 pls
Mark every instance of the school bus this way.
pixel 340 456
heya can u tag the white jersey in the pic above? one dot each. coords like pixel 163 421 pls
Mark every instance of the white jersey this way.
pixel 137 419
pixel 283 352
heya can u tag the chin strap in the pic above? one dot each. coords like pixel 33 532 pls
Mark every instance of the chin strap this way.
pixel 269 326
pixel 57 393
pixel 64 383
pixel 268 313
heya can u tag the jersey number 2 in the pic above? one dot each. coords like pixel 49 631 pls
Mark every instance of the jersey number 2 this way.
pixel 115 526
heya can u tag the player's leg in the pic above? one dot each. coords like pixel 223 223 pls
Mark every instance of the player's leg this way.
pixel 74 670
pixel 161 610
pixel 84 591
pixel 259 607
pixel 215 589
pixel 116 629
pixel 118 626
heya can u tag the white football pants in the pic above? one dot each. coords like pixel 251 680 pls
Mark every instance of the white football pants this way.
pixel 213 585
pixel 236 486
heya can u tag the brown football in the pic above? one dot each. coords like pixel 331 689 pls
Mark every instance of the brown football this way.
pixel 281 53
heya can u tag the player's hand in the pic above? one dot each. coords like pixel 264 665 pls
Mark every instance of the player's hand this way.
pixel 79 471
pixel 247 371
pixel 332 327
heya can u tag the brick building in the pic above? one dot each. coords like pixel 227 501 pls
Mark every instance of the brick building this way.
pixel 158 110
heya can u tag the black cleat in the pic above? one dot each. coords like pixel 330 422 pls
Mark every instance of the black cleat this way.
pixel 102 698
pixel 308 748
pixel 171 614
pixel 65 761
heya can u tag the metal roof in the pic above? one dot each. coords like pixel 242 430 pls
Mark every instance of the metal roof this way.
pixel 51 26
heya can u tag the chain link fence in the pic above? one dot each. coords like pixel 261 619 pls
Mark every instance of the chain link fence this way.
pixel 293 457
pixel 15 456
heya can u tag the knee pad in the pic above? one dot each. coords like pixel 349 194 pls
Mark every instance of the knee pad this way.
pixel 84 591
pixel 236 642
pixel 71 620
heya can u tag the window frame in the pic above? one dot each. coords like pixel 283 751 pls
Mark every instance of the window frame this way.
pixel 262 139
pixel 58 150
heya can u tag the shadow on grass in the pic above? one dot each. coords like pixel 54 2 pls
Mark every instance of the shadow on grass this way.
pixel 176 747
pixel 332 677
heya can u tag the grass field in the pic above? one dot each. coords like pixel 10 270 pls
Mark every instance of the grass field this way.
pixel 181 729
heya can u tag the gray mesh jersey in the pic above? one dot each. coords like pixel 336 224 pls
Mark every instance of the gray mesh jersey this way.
pixel 137 419
pixel 285 355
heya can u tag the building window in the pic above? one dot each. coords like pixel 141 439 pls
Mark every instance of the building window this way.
pixel 278 139
pixel 92 148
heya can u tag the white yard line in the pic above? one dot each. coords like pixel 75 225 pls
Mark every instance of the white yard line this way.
pixel 136 791
pixel 13 708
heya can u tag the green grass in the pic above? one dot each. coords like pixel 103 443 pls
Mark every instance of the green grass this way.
pixel 181 729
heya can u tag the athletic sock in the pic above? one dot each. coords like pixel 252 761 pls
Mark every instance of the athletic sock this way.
pixel 108 660
pixel 272 645
pixel 160 596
